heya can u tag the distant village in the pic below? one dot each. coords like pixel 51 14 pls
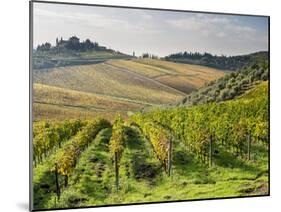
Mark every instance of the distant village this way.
pixel 73 43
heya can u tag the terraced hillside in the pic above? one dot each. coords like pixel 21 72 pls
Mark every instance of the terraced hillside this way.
pixel 122 86
pixel 57 103
pixel 183 77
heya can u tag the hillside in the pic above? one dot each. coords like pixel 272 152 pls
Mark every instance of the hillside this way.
pixel 52 102
pixel 183 77
pixel 108 80
pixel 142 172
pixel 221 62
pixel 43 60
pixel 229 86
pixel 257 91
pixel 124 86
pixel 72 52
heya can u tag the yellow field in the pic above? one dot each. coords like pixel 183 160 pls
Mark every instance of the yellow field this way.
pixel 107 80
pixel 114 86
pixel 55 95
pixel 202 71
pixel 60 112
pixel 143 69
pixel 60 102
pixel 183 77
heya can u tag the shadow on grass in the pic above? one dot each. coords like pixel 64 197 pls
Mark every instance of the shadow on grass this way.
pixel 43 190
pixel 185 164
pixel 137 157
pixel 228 160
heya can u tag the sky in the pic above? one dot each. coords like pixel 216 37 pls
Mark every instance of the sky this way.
pixel 153 31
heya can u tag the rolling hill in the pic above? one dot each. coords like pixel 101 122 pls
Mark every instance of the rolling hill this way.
pixel 52 102
pixel 43 60
pixel 229 86
pixel 142 177
pixel 112 86
pixel 72 52
pixel 151 130
pixel 182 77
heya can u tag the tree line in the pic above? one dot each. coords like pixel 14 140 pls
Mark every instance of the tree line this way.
pixel 220 62
pixel 229 86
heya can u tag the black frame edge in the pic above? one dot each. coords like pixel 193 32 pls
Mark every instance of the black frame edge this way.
pixel 143 8
pixel 30 106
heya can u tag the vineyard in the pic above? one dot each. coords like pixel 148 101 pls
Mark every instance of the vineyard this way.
pixel 207 151
pixel 82 91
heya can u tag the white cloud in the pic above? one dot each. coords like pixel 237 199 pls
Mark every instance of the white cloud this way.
pixel 97 20
pixel 191 23
pixel 243 29
pixel 221 34
pixel 211 25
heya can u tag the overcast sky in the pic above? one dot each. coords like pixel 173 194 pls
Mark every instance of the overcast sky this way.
pixel 157 32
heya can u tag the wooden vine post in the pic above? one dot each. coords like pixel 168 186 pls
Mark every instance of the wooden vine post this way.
pixel 249 145
pixel 57 181
pixel 170 158
pixel 116 171
pixel 211 151
pixel 34 162
pixel 65 180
